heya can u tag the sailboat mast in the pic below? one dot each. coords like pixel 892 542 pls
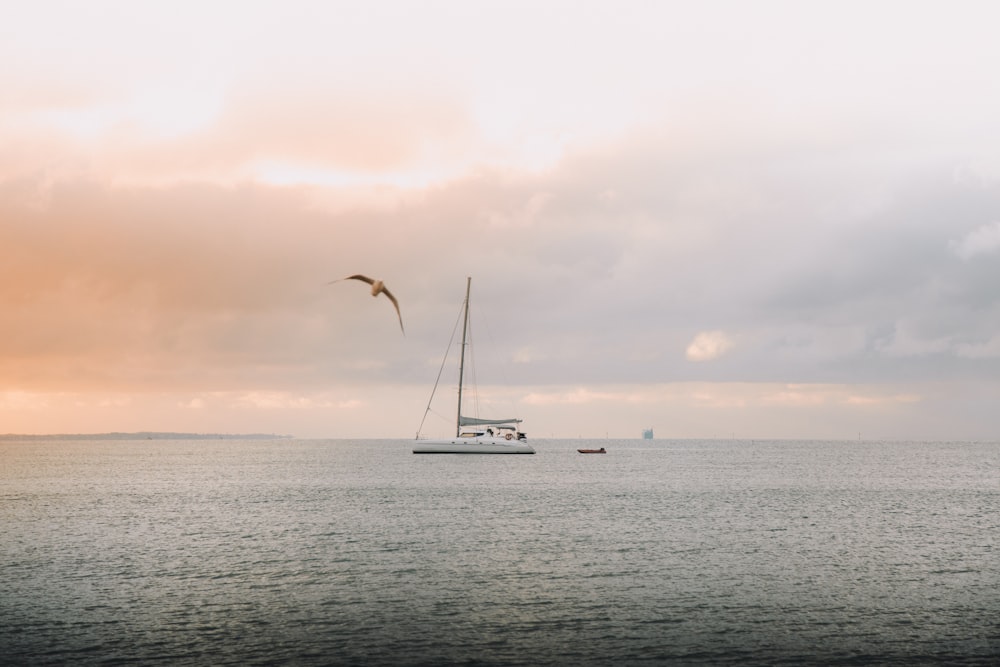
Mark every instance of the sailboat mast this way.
pixel 461 364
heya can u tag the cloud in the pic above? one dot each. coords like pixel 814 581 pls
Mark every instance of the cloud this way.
pixel 984 240
pixel 23 400
pixel 883 400
pixel 276 400
pixel 170 217
pixel 989 349
pixel 214 287
pixel 817 395
pixel 708 345
pixel 583 396
pixel 905 341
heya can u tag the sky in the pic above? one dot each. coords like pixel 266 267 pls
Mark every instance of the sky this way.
pixel 719 219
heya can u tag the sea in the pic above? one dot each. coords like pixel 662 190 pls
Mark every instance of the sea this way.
pixel 233 551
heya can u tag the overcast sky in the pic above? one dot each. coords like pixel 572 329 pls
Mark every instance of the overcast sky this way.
pixel 718 219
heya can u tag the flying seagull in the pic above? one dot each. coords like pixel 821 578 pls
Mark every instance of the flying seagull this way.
pixel 378 287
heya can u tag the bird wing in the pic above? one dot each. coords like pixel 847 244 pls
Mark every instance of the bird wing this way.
pixel 366 279
pixel 358 276
pixel 396 304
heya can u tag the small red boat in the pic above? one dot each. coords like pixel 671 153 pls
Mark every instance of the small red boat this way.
pixel 592 451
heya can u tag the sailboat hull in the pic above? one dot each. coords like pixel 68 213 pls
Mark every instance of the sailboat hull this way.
pixel 472 446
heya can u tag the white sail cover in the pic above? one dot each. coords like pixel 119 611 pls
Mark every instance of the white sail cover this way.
pixel 475 421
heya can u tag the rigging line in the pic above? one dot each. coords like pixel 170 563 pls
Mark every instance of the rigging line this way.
pixel 437 414
pixel 440 370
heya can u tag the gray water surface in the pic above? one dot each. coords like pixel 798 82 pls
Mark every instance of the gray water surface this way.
pixel 310 552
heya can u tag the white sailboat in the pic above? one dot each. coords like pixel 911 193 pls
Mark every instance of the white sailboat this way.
pixel 474 435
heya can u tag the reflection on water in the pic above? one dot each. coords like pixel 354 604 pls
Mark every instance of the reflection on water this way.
pixel 333 552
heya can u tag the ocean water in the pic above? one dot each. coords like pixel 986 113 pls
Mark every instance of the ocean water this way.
pixel 335 552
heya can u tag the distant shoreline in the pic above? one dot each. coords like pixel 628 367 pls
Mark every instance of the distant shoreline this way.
pixel 146 435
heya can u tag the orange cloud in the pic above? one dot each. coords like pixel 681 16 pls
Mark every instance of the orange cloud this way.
pixel 120 287
pixel 249 133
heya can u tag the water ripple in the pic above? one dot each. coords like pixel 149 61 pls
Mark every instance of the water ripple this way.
pixel 337 552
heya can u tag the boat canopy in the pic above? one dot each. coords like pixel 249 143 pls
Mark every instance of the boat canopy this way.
pixel 475 421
